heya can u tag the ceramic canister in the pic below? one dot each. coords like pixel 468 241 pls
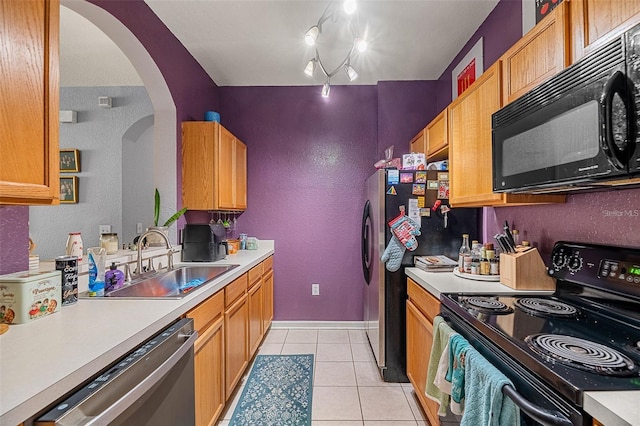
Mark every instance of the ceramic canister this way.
pixel 74 245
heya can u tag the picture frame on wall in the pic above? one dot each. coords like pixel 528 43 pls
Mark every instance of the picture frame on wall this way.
pixel 468 70
pixel 69 160
pixel 69 189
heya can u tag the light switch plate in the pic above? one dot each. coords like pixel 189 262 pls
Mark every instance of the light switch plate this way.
pixel 105 229
pixel 315 289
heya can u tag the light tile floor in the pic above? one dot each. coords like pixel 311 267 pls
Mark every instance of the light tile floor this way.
pixel 347 388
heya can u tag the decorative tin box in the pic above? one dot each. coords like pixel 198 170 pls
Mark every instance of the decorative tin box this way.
pixel 26 296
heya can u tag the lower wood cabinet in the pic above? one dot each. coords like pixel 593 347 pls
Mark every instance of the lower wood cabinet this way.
pixel 422 307
pixel 236 320
pixel 231 324
pixel 255 296
pixel 209 362
pixel 209 374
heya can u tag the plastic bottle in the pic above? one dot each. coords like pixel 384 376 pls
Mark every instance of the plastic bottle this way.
pixel 464 251
pixel 113 278
pixel 97 257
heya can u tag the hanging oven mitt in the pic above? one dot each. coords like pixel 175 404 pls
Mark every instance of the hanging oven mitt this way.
pixel 403 232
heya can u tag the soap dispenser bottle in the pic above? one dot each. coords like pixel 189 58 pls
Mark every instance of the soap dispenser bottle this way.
pixel 114 278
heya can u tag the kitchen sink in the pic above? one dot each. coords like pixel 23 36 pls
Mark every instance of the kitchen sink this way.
pixel 173 284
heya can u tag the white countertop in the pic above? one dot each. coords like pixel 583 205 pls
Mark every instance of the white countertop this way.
pixel 445 282
pixel 610 408
pixel 44 359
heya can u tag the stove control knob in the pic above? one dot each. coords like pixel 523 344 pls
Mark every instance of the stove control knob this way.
pixel 574 263
pixel 559 259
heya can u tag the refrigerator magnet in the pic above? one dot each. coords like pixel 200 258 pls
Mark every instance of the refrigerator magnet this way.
pixel 421 177
pixel 432 184
pixel 393 177
pixel 421 202
pixel 392 191
pixel 443 189
pixel 406 177
pixel 426 212
pixel 443 176
pixel 418 189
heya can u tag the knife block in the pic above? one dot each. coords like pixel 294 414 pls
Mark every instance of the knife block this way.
pixel 525 270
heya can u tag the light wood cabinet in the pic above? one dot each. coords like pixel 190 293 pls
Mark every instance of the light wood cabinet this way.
pixel 470 150
pixel 236 332
pixel 209 356
pixel 437 137
pixel 267 294
pixel 539 55
pixel 255 296
pixel 419 143
pixel 594 22
pixel 214 168
pixel 29 89
pixel 422 307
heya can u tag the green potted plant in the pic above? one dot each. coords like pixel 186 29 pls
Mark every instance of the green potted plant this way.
pixel 155 240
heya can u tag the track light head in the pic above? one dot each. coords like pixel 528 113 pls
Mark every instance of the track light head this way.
pixel 350 72
pixel 312 35
pixel 310 68
pixel 349 6
pixel 326 89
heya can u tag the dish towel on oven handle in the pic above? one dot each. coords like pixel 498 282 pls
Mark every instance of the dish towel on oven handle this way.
pixel 485 403
pixel 458 347
pixel 437 388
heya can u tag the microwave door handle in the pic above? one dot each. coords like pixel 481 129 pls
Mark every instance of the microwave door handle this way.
pixel 539 414
pixel 619 158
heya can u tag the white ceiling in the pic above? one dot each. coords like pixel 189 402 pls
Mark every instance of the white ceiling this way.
pixel 261 42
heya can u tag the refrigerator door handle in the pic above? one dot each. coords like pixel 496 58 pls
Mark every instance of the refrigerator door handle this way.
pixel 365 242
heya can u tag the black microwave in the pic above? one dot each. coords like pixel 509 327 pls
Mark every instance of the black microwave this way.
pixel 578 130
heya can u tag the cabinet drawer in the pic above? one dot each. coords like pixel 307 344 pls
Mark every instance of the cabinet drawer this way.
pixel 207 312
pixel 423 300
pixel 255 274
pixel 267 264
pixel 235 290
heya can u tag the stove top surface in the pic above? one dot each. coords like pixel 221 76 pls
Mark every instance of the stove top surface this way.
pixel 573 343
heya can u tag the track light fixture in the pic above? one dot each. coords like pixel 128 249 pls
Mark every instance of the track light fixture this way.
pixel 333 12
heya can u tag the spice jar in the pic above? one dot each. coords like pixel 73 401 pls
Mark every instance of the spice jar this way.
pixel 109 242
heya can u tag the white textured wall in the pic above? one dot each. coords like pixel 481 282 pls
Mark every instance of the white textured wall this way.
pixel 104 137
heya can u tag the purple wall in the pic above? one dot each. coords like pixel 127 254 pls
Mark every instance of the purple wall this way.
pixel 14 239
pixel 308 158
pixel 404 108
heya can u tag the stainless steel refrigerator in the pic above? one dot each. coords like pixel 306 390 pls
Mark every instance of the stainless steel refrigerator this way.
pixel 385 292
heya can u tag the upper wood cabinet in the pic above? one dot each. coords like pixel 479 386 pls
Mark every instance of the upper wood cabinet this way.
pixel 214 168
pixel 539 55
pixel 594 22
pixel 29 89
pixel 437 137
pixel 419 143
pixel 470 150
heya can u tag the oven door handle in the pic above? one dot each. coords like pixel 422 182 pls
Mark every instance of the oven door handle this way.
pixel 537 413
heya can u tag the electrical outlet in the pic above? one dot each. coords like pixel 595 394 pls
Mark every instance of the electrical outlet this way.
pixel 315 289
pixel 139 228
pixel 105 229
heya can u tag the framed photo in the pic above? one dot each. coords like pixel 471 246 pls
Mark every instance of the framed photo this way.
pixel 468 70
pixel 69 189
pixel 69 160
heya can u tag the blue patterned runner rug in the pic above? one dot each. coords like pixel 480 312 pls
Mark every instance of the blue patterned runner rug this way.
pixel 277 393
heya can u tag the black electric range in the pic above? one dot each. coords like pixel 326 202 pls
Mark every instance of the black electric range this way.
pixel 584 337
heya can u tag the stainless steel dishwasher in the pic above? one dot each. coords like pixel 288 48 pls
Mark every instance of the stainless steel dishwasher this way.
pixel 152 385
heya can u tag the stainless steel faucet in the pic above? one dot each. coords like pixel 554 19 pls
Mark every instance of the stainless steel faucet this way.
pixel 140 244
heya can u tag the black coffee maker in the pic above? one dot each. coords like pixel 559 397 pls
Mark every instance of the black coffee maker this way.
pixel 204 242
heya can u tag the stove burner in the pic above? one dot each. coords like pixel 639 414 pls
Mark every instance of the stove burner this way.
pixel 487 305
pixel 546 307
pixel 581 354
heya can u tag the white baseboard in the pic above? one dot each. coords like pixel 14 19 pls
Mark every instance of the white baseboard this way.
pixel 342 325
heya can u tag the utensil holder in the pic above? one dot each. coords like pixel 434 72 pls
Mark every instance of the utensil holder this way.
pixel 525 270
